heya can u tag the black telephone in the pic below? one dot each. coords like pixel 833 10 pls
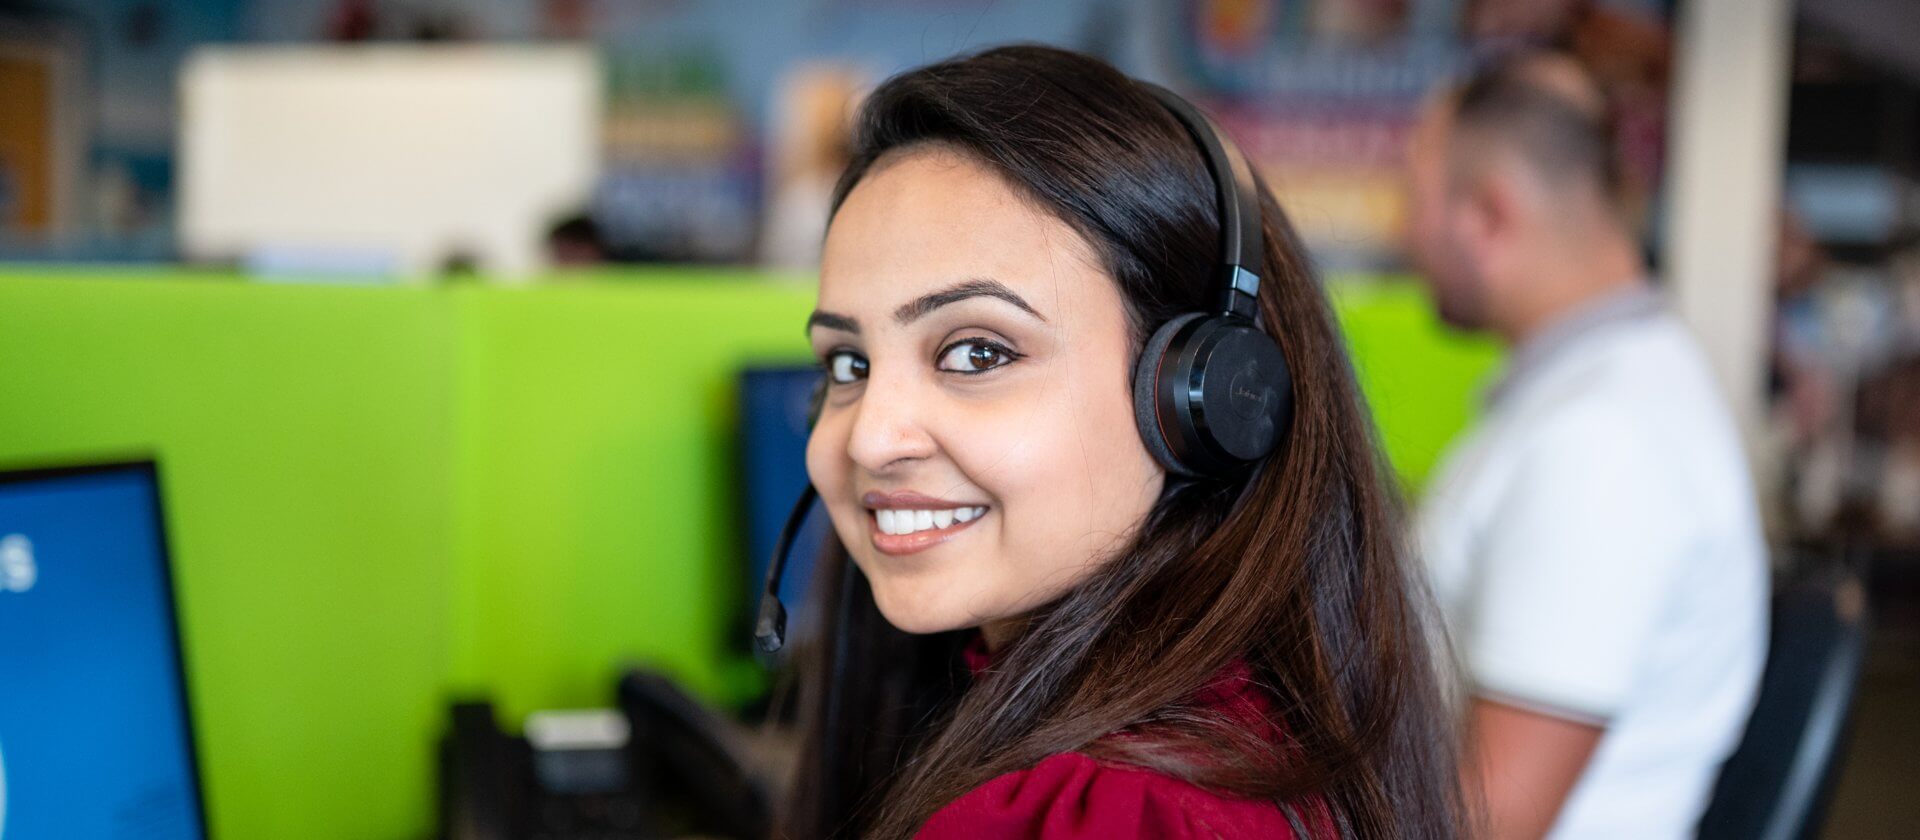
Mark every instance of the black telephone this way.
pixel 679 774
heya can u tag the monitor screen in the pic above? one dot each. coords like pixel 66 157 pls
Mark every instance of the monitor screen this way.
pixel 773 458
pixel 95 740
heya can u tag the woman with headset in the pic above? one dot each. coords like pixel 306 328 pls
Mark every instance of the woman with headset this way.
pixel 1115 550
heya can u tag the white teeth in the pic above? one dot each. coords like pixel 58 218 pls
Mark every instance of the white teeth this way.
pixel 900 522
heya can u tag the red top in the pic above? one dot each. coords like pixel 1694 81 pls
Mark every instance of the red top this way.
pixel 1071 795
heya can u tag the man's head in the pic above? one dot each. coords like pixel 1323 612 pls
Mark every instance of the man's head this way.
pixel 1512 174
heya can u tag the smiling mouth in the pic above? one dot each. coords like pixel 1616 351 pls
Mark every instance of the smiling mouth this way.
pixel 898 531
pixel 902 521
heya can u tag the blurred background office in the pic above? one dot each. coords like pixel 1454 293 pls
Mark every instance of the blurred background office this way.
pixel 444 359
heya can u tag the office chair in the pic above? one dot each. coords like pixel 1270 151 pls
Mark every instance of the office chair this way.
pixel 1776 785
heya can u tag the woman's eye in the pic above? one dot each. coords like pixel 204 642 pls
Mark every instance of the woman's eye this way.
pixel 846 367
pixel 974 356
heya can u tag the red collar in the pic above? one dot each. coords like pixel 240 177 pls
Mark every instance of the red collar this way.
pixel 1232 689
pixel 976 655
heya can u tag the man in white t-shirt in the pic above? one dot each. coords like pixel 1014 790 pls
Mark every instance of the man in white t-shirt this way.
pixel 1594 545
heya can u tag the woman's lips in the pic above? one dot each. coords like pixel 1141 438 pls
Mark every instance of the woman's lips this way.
pixel 908 500
pixel 919 540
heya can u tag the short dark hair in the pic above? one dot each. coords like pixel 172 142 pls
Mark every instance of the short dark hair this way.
pixel 1564 139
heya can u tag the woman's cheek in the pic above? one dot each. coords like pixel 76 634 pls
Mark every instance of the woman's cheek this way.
pixel 1004 452
pixel 819 467
pixel 829 470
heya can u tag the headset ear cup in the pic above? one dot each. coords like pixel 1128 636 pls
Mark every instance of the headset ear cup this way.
pixel 1146 375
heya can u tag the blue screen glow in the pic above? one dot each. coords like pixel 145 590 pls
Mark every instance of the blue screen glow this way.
pixel 94 741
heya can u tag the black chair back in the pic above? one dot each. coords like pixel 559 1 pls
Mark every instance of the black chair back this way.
pixel 1777 783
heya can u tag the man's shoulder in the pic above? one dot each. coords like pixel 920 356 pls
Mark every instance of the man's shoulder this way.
pixel 1646 385
pixel 1643 417
pixel 1595 415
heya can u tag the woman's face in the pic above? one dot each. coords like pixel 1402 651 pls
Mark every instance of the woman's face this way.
pixel 976 449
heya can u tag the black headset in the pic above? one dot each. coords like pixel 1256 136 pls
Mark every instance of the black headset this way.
pixel 1211 390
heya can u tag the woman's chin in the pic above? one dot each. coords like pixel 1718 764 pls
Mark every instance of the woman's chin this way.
pixel 922 613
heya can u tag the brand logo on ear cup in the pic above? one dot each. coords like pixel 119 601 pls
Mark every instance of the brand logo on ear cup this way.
pixel 1249 396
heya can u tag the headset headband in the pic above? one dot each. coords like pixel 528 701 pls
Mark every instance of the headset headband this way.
pixel 1242 243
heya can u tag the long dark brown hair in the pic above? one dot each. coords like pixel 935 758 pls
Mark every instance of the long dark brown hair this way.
pixel 1294 567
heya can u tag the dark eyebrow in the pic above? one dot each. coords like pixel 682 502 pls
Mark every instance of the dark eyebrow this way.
pixel 832 322
pixel 979 287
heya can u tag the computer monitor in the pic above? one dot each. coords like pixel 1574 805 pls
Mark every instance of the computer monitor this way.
pixel 774 402
pixel 95 738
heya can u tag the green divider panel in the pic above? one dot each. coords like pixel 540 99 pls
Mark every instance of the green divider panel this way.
pixel 1422 380
pixel 382 498
pixel 309 502
pixel 597 450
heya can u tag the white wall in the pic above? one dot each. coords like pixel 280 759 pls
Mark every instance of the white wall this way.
pixel 406 155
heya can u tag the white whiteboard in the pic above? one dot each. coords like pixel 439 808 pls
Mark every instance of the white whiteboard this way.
pixel 395 156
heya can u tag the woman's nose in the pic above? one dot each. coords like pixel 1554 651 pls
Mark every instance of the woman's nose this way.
pixel 887 429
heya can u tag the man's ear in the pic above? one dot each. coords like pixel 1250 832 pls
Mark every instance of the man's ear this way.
pixel 1487 215
pixel 1471 222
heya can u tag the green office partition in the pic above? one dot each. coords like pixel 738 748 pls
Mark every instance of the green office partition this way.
pixel 597 441
pixel 1422 380
pixel 308 494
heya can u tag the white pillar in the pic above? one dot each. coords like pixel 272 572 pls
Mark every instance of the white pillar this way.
pixel 1726 158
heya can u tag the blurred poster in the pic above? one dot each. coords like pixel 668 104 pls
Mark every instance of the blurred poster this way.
pixel 681 180
pixel 1322 94
pixel 810 143
pixel 26 145
pixel 42 125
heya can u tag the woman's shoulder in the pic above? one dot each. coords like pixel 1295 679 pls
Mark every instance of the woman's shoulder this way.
pixel 1073 795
